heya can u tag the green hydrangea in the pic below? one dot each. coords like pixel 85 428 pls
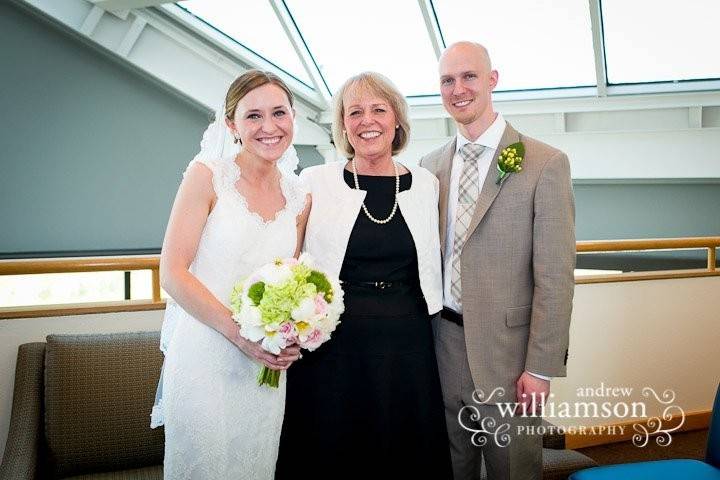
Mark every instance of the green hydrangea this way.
pixel 300 272
pixel 256 292
pixel 278 301
pixel 322 284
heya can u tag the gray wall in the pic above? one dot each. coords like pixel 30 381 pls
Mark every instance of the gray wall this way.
pixel 631 209
pixel 92 152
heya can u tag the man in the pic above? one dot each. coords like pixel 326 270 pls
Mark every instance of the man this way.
pixel 508 260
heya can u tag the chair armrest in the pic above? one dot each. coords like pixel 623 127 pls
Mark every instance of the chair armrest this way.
pixel 26 421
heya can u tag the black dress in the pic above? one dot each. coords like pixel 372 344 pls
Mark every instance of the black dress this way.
pixel 367 404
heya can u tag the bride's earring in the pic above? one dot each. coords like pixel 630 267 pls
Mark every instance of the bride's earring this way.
pixel 237 139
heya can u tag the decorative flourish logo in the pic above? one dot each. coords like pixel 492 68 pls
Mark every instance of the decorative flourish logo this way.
pixel 654 425
pixel 483 427
pixel 592 403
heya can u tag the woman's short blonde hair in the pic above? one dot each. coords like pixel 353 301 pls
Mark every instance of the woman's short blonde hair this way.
pixel 385 89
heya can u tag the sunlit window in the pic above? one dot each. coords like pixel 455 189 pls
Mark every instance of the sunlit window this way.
pixel 74 288
pixel 532 43
pixel 389 37
pixel 253 24
pixel 140 284
pixel 649 41
pixel 58 288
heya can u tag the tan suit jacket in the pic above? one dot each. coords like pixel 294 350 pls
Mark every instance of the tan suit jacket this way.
pixel 517 265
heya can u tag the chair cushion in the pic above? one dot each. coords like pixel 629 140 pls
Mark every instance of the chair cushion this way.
pixel 658 470
pixel 147 473
pixel 99 391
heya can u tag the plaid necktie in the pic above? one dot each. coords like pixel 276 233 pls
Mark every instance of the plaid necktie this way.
pixel 468 192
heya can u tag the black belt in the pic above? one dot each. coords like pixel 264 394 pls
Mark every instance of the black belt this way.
pixel 379 285
pixel 452 316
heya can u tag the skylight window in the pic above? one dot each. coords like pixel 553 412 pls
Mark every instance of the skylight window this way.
pixel 648 41
pixel 533 44
pixel 346 38
pixel 253 24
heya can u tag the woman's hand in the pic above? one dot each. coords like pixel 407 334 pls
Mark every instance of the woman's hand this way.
pixel 290 355
pixel 254 350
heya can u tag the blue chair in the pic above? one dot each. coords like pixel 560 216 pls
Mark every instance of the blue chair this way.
pixel 666 469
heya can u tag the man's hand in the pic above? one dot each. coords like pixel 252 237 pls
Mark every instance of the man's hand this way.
pixel 526 386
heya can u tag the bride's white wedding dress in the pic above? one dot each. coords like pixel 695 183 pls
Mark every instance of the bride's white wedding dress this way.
pixel 219 424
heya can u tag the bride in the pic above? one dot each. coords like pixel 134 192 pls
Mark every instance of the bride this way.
pixel 232 214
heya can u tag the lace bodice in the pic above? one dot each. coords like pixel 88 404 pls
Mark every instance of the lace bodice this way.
pixel 235 240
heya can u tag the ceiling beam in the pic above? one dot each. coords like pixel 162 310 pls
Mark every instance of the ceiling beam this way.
pixel 131 37
pixel 91 21
pixel 433 29
pixel 598 47
pixel 127 4
pixel 590 103
pixel 301 49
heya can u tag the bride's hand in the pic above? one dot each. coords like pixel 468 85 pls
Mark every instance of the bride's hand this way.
pixel 289 355
pixel 255 351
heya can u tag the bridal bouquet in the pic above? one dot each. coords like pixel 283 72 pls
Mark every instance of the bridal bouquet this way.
pixel 284 303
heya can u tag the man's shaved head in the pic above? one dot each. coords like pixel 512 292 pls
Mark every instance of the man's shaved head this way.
pixel 466 84
pixel 467 48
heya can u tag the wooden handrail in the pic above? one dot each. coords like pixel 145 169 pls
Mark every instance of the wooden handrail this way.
pixel 152 263
pixel 647 244
pixel 694 243
pixel 69 309
pixel 81 264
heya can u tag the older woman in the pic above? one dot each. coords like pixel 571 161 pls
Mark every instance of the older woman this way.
pixel 368 404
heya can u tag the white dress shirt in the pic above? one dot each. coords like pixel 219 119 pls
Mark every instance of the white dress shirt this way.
pixel 490 139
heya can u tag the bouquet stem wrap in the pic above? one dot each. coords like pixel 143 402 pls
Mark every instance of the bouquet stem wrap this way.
pixel 269 377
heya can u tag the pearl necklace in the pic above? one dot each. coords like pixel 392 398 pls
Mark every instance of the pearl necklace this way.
pixel 397 191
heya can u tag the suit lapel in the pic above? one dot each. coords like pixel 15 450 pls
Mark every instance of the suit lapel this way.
pixel 444 169
pixel 490 189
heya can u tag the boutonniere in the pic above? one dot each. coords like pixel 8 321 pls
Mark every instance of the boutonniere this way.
pixel 510 161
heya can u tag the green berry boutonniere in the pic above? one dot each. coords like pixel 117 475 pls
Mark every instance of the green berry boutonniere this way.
pixel 510 161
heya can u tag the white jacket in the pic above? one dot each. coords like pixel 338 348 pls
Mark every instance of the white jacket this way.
pixel 335 207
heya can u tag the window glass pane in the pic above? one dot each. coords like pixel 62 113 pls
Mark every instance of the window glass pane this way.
pixel 252 23
pixel 57 288
pixel 347 37
pixel 532 43
pixel 647 41
pixel 141 285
